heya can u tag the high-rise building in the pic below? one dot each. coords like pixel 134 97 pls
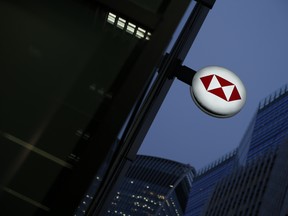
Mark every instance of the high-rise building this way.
pixel 257 175
pixel 259 188
pixel 153 186
pixel 269 126
pixel 205 181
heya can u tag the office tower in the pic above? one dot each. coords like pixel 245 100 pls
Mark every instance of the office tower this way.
pixel 258 163
pixel 259 185
pixel 205 181
pixel 269 126
pixel 153 186
pixel 72 72
pixel 259 188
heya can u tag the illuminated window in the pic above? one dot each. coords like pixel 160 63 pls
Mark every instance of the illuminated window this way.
pixel 121 23
pixel 140 33
pixel 111 18
pixel 148 36
pixel 131 28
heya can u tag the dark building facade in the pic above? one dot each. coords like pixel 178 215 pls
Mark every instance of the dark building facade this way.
pixel 153 186
pixel 72 72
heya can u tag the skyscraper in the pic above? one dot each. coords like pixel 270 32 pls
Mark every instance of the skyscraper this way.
pixel 205 181
pixel 269 127
pixel 258 188
pixel 257 173
pixel 153 186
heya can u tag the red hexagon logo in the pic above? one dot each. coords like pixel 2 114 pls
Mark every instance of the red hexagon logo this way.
pixel 221 87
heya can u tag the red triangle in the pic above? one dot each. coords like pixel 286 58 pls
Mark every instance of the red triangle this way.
pixel 206 80
pixel 235 95
pixel 223 82
pixel 219 92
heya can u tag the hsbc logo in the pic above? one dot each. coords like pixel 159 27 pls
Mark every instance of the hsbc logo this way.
pixel 221 87
pixel 218 91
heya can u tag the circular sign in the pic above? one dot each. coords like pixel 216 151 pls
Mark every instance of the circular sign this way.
pixel 218 91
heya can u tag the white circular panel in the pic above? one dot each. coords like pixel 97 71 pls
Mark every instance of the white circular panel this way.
pixel 218 91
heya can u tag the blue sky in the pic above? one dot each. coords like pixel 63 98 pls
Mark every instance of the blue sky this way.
pixel 251 39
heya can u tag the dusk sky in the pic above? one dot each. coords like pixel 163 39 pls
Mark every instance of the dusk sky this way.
pixel 251 39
